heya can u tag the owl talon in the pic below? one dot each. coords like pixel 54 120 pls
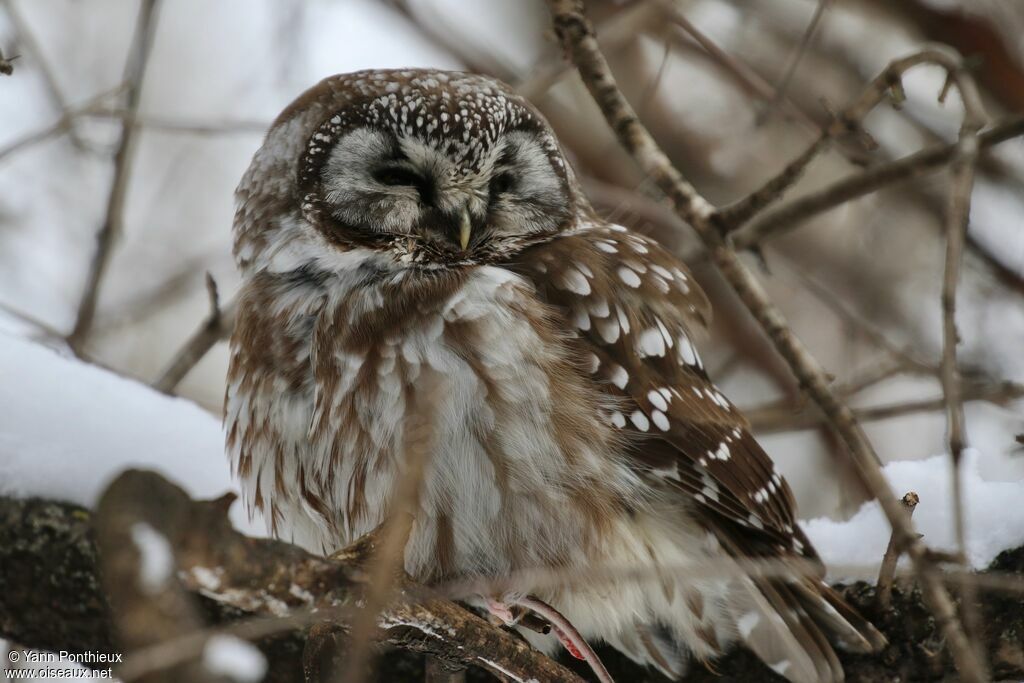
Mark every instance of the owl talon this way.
pixel 501 610
pixel 569 645
pixel 568 636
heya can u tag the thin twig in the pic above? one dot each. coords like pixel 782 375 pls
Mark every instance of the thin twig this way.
pixel 805 42
pixel 577 37
pixel 785 418
pixel 794 213
pixel 240 127
pixel 387 563
pixel 887 571
pixel 850 317
pixel 6 66
pixel 58 127
pixel 29 319
pixel 741 211
pixel 112 227
pixel 847 122
pixel 27 37
pixel 957 215
pixel 218 325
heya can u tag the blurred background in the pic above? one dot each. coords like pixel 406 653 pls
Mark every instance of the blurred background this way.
pixel 731 89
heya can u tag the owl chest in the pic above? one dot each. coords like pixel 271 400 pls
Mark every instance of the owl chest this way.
pixel 471 382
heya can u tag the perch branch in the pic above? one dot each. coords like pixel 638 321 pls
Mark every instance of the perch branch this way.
pixel 285 586
pixel 578 40
pixel 52 544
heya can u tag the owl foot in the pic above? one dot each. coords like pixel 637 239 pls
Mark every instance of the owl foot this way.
pixel 502 610
pixel 567 635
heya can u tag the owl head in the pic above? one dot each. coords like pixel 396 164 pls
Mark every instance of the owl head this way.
pixel 428 169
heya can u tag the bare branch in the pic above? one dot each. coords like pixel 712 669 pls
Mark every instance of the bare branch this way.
pixel 793 214
pixel 784 418
pixel 386 567
pixel 801 50
pixel 887 571
pixel 217 326
pixel 249 581
pixel 62 125
pixel 957 216
pixel 27 37
pixel 112 227
pixel 293 588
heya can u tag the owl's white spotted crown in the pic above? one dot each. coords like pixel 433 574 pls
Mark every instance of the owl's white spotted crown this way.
pixel 462 115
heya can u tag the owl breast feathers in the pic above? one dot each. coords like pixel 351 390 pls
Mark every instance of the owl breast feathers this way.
pixel 422 272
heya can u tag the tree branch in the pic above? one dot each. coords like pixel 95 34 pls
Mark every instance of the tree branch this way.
pixel 239 578
pixel 782 418
pixel 794 213
pixel 269 593
pixel 112 227
pixel 579 42
pixel 217 326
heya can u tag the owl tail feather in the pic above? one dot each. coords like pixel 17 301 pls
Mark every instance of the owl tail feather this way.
pixel 791 625
pixel 782 638
pixel 653 645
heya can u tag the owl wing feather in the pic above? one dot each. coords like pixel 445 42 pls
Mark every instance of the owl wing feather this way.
pixel 634 308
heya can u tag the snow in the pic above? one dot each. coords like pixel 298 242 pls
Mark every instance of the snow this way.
pixel 157 557
pixel 234 658
pixel 68 428
pixel 994 518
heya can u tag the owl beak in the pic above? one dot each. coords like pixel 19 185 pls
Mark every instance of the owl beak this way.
pixel 465 226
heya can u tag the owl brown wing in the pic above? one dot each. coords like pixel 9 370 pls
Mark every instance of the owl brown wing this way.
pixel 634 306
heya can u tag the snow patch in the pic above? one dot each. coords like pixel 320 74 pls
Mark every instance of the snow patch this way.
pixel 68 428
pixel 156 557
pixel 234 658
pixel 994 518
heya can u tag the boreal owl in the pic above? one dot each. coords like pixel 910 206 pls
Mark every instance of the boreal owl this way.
pixel 415 246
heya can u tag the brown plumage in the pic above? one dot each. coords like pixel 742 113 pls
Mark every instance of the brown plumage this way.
pixel 416 236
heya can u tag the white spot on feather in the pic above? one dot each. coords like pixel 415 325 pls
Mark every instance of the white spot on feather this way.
pixel 657 400
pixel 629 277
pixel 639 420
pixel 608 328
pixel 618 376
pixel 687 353
pixel 573 280
pixel 651 343
pixel 745 624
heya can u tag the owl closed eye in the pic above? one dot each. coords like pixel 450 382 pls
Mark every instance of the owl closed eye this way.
pixel 442 182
